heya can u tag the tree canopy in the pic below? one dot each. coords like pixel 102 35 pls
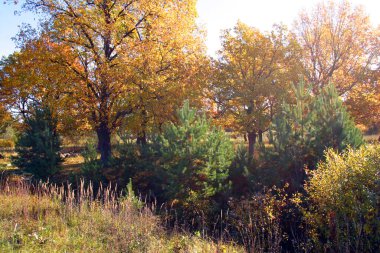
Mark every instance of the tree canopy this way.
pixel 253 72
pixel 110 56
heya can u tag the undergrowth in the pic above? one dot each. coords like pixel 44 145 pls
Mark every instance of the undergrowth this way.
pixel 48 218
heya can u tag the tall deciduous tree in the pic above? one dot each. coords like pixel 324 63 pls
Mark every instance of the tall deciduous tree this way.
pixel 364 101
pixel 106 39
pixel 253 71
pixel 31 77
pixel 5 118
pixel 339 45
pixel 168 68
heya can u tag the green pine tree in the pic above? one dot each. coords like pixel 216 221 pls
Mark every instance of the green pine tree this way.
pixel 332 125
pixel 290 131
pixel 39 145
pixel 305 129
pixel 291 139
pixel 196 158
pixel 91 167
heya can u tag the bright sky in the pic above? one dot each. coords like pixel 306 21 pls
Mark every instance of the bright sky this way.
pixel 214 15
pixel 221 14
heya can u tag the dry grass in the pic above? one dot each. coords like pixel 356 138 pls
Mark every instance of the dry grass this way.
pixel 47 218
pixel 371 138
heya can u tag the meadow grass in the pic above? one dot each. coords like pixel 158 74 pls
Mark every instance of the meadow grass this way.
pixel 48 218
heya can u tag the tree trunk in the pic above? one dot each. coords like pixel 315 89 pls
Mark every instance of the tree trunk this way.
pixel 251 143
pixel 104 143
pixel 141 139
pixel 260 136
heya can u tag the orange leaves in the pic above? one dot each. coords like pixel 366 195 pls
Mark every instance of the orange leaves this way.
pixel 250 75
pixel 337 42
pixel 34 76
pixel 340 46
pixel 364 103
pixel 101 61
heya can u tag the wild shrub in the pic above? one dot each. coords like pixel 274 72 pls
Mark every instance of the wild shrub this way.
pixel 244 176
pixel 257 221
pixel 6 143
pixel 343 194
pixel 91 167
pixel 131 196
pixel 138 163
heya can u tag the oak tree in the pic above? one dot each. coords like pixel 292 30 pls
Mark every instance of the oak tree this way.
pixel 339 45
pixel 31 77
pixel 253 72
pixel 105 40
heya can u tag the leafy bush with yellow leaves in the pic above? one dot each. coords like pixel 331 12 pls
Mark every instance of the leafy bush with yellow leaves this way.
pixel 344 196
pixel 6 143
